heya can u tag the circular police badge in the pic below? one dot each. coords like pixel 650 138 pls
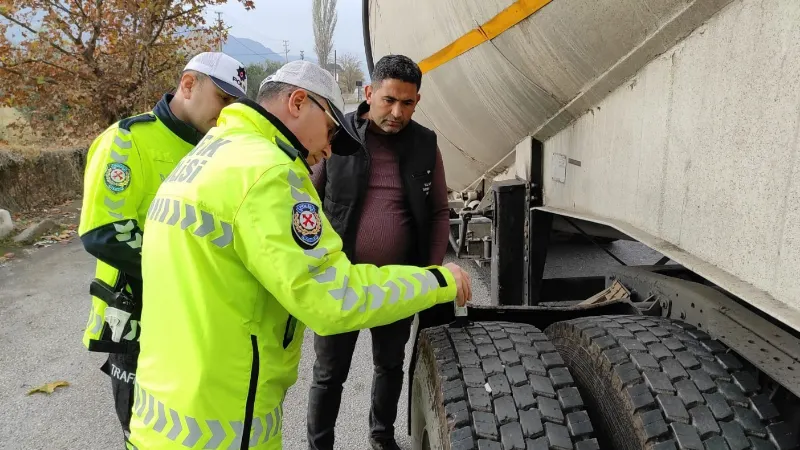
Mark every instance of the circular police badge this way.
pixel 118 176
pixel 306 224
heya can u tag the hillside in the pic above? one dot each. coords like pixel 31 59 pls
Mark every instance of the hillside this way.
pixel 249 51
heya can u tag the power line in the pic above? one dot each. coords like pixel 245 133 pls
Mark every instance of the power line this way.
pixel 248 48
pixel 286 50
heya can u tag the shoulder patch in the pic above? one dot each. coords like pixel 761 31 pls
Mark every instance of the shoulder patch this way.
pixel 117 177
pixel 290 151
pixel 306 224
pixel 126 123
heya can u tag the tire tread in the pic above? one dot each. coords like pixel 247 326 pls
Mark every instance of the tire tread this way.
pixel 682 388
pixel 531 401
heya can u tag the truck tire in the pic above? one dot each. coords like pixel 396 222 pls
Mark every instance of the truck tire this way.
pixel 494 386
pixel 654 383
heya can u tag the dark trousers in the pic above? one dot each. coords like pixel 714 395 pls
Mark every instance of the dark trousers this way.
pixel 334 355
pixel 122 369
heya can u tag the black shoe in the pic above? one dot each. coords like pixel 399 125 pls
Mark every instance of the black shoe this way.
pixel 383 444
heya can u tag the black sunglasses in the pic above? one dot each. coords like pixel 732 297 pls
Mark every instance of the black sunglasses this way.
pixel 336 123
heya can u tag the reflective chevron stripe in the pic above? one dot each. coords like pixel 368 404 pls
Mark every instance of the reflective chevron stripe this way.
pixel 96 321
pixel 428 282
pixel 176 213
pixel 274 422
pixel 348 296
pixel 176 429
pixel 206 225
pixel 257 429
pixel 116 156
pixel 297 188
pixel 113 206
pixel 169 212
pixel 134 240
pixel 194 433
pixel 395 292
pixel 122 144
pixel 378 295
pixel 190 218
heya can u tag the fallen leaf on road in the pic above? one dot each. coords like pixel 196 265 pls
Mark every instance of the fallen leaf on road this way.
pixel 48 388
pixel 44 243
pixel 66 234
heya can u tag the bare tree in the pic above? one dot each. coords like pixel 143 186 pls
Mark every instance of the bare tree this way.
pixel 324 13
pixel 351 72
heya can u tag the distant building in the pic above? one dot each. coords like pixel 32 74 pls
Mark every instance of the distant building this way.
pixel 335 69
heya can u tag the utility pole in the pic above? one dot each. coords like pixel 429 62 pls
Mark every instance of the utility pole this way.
pixel 302 57
pixel 286 50
pixel 219 24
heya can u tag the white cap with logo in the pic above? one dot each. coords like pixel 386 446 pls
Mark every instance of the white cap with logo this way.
pixel 226 72
pixel 311 77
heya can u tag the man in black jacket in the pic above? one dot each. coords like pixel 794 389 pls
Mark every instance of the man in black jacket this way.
pixel 388 202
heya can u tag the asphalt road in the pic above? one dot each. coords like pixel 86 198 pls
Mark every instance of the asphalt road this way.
pixel 43 309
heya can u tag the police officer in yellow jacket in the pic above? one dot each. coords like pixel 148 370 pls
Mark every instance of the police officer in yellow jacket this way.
pixel 239 258
pixel 125 166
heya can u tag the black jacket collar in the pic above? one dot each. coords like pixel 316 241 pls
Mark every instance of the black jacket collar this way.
pixel 362 109
pixel 181 129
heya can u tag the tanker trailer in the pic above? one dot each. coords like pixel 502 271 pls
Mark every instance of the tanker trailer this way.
pixel 674 123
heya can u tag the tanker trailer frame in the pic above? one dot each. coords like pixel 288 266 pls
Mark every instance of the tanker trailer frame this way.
pixel 692 352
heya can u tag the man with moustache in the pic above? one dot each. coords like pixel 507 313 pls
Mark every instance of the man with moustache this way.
pixel 388 202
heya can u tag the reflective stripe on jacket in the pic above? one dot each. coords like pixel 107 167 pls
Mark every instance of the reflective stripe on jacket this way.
pixel 236 249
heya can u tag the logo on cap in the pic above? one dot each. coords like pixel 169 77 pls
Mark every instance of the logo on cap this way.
pixel 241 77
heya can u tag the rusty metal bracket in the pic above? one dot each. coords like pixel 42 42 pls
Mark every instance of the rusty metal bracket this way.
pixel 614 292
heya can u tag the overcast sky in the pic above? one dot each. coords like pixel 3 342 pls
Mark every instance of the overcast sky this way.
pixel 272 21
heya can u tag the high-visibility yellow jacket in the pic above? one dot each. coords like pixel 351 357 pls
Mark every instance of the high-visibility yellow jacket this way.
pixel 237 259
pixel 124 168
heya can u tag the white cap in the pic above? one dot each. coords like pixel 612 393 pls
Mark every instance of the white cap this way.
pixel 226 72
pixel 313 78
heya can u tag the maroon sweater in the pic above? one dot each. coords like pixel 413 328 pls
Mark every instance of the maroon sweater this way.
pixel 385 229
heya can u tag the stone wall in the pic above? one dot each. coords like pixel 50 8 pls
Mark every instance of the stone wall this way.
pixel 30 181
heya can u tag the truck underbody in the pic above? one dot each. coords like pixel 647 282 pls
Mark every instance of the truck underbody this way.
pixel 672 123
pixel 686 363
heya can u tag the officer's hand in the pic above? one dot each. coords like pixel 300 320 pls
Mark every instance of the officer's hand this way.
pixel 463 284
